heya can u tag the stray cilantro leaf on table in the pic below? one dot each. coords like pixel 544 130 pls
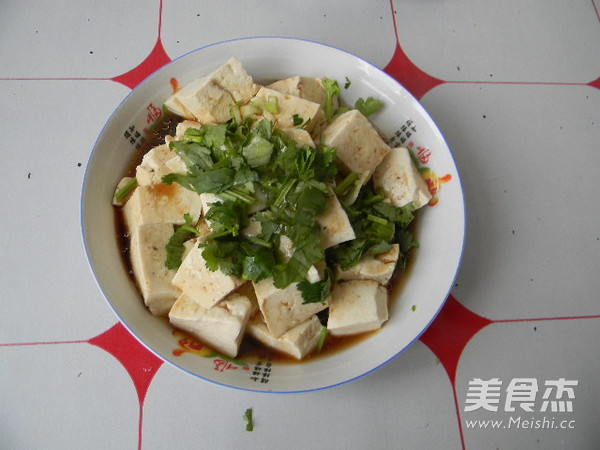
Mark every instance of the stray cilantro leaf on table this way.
pixel 249 419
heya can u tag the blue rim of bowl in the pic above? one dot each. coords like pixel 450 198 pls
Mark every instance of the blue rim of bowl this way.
pixel 161 357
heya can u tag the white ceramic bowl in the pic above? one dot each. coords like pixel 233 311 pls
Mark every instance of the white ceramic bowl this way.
pixel 441 228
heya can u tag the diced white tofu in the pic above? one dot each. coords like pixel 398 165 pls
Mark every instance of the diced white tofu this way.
pixel 288 106
pixel 161 203
pixel 286 247
pixel 176 165
pixel 378 268
pixel 203 286
pixel 209 99
pixel 124 181
pixel 299 135
pixel 148 256
pixel 296 342
pixel 335 225
pixel 286 86
pixel 400 179
pixel 154 165
pixel 254 228
pixel 261 200
pixel 202 100
pixel 222 327
pixel 312 89
pixel 356 307
pixel 283 309
pixel 360 148
pixel 232 77
pixel 307 88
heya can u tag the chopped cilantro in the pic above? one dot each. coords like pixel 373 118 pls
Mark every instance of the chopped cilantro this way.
pixel 175 246
pixel 369 106
pixel 348 83
pixel 249 419
pixel 316 292
pixel 377 225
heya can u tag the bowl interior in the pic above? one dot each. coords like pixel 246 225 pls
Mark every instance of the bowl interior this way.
pixel 440 230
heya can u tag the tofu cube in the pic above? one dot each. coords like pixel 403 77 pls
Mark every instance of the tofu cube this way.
pixel 356 307
pixel 176 165
pixel 296 342
pixel 300 136
pixel 400 179
pixel 232 77
pixel 283 309
pixel 202 100
pixel 154 165
pixel 253 229
pixel 205 287
pixel 360 148
pixel 161 203
pixel 209 99
pixel 222 327
pixel 335 225
pixel 288 106
pixel 378 268
pixel 148 256
pixel 307 88
pixel 286 86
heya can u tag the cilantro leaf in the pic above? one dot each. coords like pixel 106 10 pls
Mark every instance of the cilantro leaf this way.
pixel 258 151
pixel 316 292
pixel 403 216
pixel 369 106
pixel 174 247
pixel 249 420
pixel 192 154
pixel 348 254
pixel 227 218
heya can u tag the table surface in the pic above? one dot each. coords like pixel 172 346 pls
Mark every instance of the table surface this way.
pixel 511 362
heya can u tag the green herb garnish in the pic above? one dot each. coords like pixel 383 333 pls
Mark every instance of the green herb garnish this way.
pixel 127 189
pixel 369 106
pixel 175 247
pixel 249 420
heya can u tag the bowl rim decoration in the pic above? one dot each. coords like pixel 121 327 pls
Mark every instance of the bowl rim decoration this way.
pixel 425 290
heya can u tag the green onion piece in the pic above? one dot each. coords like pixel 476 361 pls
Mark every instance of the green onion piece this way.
pixel 375 199
pixel 259 241
pixel 219 235
pixel 284 191
pixel 126 190
pixel 249 110
pixel 236 115
pixel 235 194
pixel 322 338
pixel 272 106
pixel 377 219
pixel 191 229
pixel 346 183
